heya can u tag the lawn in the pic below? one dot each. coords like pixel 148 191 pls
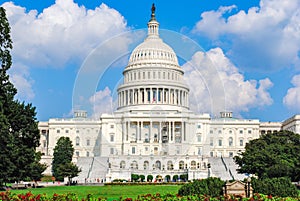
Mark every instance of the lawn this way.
pixel 110 192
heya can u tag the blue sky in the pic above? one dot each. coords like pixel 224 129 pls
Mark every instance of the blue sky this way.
pixel 252 46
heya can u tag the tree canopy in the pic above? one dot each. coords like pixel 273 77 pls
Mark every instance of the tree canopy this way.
pixel 19 134
pixel 62 165
pixel 273 155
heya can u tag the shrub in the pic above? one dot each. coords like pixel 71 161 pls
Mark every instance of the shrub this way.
pixel 135 177
pixel 142 177
pixel 175 178
pixel 149 178
pixel 210 186
pixel 282 187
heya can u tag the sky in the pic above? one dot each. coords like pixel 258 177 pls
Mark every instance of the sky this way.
pixel 239 56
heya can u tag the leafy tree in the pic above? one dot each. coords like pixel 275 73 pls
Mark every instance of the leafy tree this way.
pixel 142 177
pixel 168 178
pixel 19 134
pixel 272 156
pixel 36 168
pixel 135 177
pixel 175 178
pixel 281 187
pixel 63 153
pixel 149 178
pixel 69 170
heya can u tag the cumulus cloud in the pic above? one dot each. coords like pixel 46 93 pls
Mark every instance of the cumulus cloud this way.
pixel 217 85
pixel 292 97
pixel 265 37
pixel 62 34
pixel 102 102
pixel 21 79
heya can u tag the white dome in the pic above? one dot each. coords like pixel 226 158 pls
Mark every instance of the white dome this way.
pixel 153 50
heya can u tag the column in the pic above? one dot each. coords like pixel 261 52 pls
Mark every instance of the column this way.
pixel 150 131
pixel 182 131
pixel 159 132
pixel 169 131
pixel 163 95
pixel 173 131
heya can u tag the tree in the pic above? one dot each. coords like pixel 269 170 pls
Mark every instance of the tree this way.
pixel 63 153
pixel 69 170
pixel 149 178
pixel 19 134
pixel 36 168
pixel 142 177
pixel 272 156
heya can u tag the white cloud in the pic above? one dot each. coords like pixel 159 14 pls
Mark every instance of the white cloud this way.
pixel 102 102
pixel 292 97
pixel 265 37
pixel 217 85
pixel 62 33
pixel 20 77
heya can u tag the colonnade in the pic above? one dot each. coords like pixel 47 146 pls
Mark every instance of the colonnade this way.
pixel 156 131
pixel 153 95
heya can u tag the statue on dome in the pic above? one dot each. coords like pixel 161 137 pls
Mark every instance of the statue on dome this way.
pixel 153 8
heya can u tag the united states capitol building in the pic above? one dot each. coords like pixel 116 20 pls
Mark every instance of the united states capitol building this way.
pixel 153 131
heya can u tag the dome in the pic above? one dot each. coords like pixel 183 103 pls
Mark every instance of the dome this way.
pixel 153 50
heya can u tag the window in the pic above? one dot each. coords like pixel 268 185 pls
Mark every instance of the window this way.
pixel 57 131
pixel 193 165
pixel 230 132
pixel 87 154
pixel 111 137
pixel 134 165
pixel 133 150
pixel 230 141
pixel 241 142
pixel 219 131
pixel 230 154
pixel 199 151
pixel 211 143
pixel 241 131
pixel 77 153
pixel 211 154
pixel 88 142
pixel 122 165
pixel 112 126
pixel 211 131
pixel 67 131
pixel 44 143
pixel 181 165
pixel 199 138
pixel 77 141
pixel 249 131
pixel 170 165
pixel 220 142
pixel 111 151
pixel 199 126
pixel 77 131
pixel 158 165
pixel 146 165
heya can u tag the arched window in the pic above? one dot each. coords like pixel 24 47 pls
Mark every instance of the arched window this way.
pixel 181 165
pixel 134 165
pixel 158 165
pixel 122 165
pixel 193 165
pixel 77 141
pixel 146 165
pixel 170 165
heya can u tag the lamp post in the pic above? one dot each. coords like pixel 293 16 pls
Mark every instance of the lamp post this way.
pixel 248 186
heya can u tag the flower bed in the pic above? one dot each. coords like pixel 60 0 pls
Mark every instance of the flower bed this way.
pixel 9 196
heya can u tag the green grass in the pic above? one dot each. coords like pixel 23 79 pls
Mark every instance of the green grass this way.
pixel 110 192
